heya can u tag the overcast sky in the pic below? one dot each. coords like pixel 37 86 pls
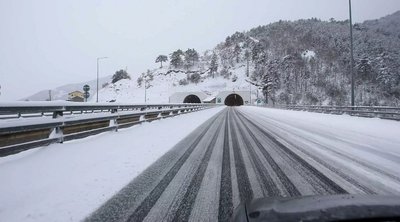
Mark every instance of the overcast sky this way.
pixel 48 43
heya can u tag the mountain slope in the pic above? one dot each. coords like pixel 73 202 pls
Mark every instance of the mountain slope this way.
pixel 286 62
pixel 61 92
pixel 290 62
pixel 388 25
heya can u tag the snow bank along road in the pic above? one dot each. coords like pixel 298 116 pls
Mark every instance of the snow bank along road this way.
pixel 248 152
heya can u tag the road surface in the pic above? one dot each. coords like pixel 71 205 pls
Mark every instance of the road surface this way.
pixel 238 155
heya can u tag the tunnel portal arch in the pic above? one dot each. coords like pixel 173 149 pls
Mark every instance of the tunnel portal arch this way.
pixel 192 99
pixel 234 100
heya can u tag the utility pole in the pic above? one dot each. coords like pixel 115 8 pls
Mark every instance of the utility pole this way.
pixel 247 69
pixel 257 96
pixel 352 58
pixel 145 88
pixel 97 79
pixel 145 92
pixel 250 94
pixel 50 95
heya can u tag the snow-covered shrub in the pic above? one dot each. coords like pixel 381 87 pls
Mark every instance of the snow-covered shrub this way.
pixel 234 78
pixel 183 82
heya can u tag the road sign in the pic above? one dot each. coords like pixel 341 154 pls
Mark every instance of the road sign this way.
pixel 86 88
pixel 86 94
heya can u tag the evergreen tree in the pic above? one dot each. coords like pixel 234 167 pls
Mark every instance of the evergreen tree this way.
pixel 176 59
pixel 236 51
pixel 214 65
pixel 195 78
pixel 161 59
pixel 120 74
pixel 247 57
pixel 257 53
pixel 191 57
pixel 140 80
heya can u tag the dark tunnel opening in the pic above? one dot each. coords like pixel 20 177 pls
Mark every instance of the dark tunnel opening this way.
pixel 192 99
pixel 234 100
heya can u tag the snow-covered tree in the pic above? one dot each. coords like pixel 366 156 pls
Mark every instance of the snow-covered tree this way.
pixel 161 59
pixel 236 51
pixel 214 65
pixel 120 74
pixel 247 58
pixel 191 57
pixel 176 60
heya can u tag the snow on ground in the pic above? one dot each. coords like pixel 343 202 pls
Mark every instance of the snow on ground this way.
pixel 164 85
pixel 66 182
pixel 364 147
pixel 385 130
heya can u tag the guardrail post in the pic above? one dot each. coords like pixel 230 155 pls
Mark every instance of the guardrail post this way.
pixel 57 114
pixel 57 133
pixel 114 122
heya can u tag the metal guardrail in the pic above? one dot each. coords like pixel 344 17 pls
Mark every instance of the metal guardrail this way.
pixel 35 110
pixel 26 127
pixel 383 112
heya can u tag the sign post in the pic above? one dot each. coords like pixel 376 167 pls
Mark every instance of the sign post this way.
pixel 86 93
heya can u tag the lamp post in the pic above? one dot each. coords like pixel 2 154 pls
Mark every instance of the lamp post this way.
pixel 352 58
pixel 250 96
pixel 97 81
pixel 145 87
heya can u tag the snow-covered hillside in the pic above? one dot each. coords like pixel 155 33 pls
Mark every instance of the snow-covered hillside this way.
pixel 287 62
pixel 164 85
pixel 299 62
pixel 61 93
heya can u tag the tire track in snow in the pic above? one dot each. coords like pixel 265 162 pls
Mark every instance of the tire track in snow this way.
pixel 335 170
pixel 344 156
pixel 245 190
pixel 225 199
pixel 326 183
pixel 248 146
pixel 186 205
pixel 288 185
pixel 269 187
pixel 144 208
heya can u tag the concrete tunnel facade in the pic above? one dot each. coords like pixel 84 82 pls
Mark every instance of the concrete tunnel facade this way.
pixel 187 97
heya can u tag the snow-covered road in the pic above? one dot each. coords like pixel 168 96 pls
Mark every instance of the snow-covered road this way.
pixel 66 182
pixel 250 152
pixel 207 163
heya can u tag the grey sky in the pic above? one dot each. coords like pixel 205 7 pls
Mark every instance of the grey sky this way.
pixel 48 43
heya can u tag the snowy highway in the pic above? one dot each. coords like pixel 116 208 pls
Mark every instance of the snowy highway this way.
pixel 248 152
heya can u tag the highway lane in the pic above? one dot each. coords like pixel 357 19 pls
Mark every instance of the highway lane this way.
pixel 236 156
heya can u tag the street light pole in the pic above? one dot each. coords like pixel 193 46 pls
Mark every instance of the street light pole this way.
pixel 145 89
pixel 97 79
pixel 352 58
pixel 250 96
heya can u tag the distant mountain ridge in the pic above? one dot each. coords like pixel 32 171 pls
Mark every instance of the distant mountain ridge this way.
pixel 61 92
pixel 388 25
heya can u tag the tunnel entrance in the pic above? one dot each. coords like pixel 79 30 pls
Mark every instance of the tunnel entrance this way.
pixel 192 99
pixel 234 100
